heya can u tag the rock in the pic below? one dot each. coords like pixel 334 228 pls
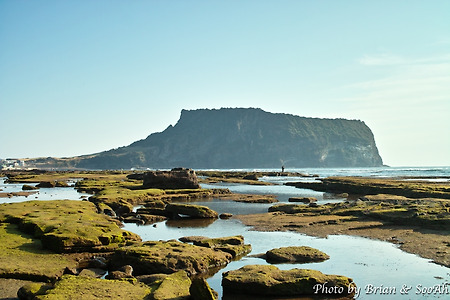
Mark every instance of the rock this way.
pixel 233 245
pixel 175 286
pixel 267 280
pixel 78 287
pixel 152 278
pixel 92 273
pixel 70 271
pixel 168 257
pixel 155 204
pixel 250 177
pixel 61 225
pixel 157 211
pixel 193 211
pixel 192 238
pixel 286 208
pixel 61 184
pixel 27 187
pixel 150 219
pixel 117 275
pixel 302 254
pixel 305 200
pixel 225 216
pixel 46 184
pixel 105 209
pixel 31 290
pixel 127 269
pixel 200 290
pixel 178 178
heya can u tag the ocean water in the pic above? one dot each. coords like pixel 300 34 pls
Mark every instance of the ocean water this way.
pixel 370 263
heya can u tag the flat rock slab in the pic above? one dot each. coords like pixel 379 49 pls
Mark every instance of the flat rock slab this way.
pixel 267 280
pixel 305 200
pixel 22 256
pixel 169 257
pixel 78 287
pixel 301 254
pixel 66 225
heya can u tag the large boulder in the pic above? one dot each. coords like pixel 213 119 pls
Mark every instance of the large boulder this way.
pixel 301 254
pixel 267 280
pixel 192 211
pixel 168 257
pixel 178 178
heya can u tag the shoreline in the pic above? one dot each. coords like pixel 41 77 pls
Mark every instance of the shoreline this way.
pixel 426 243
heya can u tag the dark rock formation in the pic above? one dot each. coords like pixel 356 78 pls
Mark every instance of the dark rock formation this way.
pixel 178 178
pixel 27 187
pixel 306 200
pixel 239 138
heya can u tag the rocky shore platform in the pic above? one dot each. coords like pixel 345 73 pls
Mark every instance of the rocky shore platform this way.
pixel 411 213
pixel 61 249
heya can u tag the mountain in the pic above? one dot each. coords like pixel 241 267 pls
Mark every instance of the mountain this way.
pixel 240 138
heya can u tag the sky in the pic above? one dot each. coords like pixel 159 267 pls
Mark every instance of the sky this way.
pixel 80 77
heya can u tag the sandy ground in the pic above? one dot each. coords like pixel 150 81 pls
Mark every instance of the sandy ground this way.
pixel 9 288
pixel 431 244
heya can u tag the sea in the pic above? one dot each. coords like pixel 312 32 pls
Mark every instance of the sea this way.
pixel 380 269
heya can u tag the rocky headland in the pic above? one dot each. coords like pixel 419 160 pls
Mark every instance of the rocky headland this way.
pixel 230 138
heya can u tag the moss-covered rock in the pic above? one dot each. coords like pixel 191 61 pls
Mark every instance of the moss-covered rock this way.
pixel 31 290
pixel 65 225
pixel 373 186
pixel 77 287
pixel 169 257
pixel 173 287
pixel 193 211
pixel 232 244
pixel 200 290
pixel 399 210
pixel 267 280
pixel 302 254
pixel 22 256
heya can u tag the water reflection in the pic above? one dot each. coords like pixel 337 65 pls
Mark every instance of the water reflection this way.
pixel 190 223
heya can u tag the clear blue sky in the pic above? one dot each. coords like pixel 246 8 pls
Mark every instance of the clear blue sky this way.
pixel 79 77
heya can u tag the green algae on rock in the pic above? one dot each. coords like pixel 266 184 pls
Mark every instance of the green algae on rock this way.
pixel 174 286
pixel 66 225
pixel 193 211
pixel 169 257
pixel 233 245
pixel 268 280
pixel 302 254
pixel 22 256
pixel 399 210
pixel 77 287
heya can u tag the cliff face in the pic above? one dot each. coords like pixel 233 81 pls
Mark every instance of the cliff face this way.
pixel 245 138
